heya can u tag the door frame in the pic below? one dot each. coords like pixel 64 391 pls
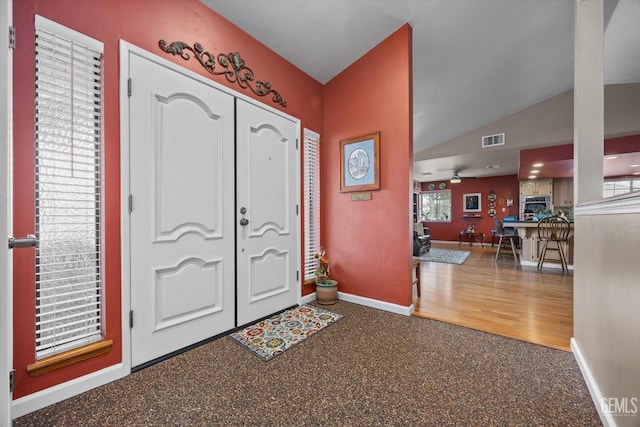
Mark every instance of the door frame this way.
pixel 6 215
pixel 127 49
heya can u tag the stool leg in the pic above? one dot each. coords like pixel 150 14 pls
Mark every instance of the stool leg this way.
pixel 563 260
pixel 513 250
pixel 542 255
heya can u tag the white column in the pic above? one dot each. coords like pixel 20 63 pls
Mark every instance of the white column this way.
pixel 588 119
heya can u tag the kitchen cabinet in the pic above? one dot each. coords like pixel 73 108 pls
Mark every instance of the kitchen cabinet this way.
pixel 538 187
pixel 563 193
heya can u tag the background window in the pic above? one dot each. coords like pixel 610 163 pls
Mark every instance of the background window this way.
pixel 435 206
pixel 620 186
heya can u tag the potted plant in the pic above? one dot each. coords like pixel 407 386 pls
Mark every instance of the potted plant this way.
pixel 326 288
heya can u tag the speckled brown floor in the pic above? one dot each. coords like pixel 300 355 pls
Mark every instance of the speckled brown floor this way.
pixel 372 368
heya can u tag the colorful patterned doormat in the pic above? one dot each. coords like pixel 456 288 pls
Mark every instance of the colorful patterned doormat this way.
pixel 271 337
pixel 445 255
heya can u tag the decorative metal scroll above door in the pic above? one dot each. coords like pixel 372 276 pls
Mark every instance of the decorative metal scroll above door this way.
pixel 232 64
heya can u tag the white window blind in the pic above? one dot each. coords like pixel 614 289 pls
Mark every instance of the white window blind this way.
pixel 68 102
pixel 311 202
pixel 613 187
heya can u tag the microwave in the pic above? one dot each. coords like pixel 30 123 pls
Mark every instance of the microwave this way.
pixel 534 204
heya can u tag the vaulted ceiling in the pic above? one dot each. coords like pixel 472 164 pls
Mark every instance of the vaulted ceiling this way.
pixel 475 61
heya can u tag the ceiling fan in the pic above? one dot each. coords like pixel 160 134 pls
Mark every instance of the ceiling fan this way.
pixel 456 178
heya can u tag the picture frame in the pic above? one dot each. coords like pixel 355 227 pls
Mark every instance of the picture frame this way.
pixel 360 163
pixel 472 202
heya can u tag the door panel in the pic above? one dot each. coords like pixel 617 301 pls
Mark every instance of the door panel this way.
pixel 182 237
pixel 266 173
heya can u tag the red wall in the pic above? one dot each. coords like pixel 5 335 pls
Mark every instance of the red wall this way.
pixel 558 159
pixel 142 23
pixel 505 187
pixel 369 242
pixel 623 144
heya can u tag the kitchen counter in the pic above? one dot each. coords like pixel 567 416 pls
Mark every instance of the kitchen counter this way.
pixel 531 246
pixel 528 223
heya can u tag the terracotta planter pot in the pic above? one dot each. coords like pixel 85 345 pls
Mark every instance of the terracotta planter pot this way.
pixel 327 292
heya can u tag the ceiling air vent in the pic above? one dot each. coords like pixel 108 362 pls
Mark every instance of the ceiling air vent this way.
pixel 491 140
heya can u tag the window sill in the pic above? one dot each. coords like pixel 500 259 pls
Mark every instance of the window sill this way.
pixel 71 357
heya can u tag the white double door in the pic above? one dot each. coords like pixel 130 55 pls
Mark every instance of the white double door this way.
pixel 213 221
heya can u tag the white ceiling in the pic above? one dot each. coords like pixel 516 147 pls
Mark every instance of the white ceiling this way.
pixel 474 61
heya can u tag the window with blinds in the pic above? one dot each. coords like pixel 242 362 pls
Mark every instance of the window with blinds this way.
pixel 613 187
pixel 68 192
pixel 311 202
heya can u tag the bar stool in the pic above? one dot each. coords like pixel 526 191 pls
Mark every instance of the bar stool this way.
pixel 553 229
pixel 502 234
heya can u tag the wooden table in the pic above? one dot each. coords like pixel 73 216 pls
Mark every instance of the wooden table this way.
pixel 416 266
pixel 472 237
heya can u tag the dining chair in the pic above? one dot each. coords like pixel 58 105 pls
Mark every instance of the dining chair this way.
pixel 553 229
pixel 503 234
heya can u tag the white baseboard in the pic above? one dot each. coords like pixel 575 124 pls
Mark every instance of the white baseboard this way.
pixel 594 390
pixel 463 244
pixel 374 303
pixel 546 264
pixel 308 298
pixel 60 392
pixel 368 302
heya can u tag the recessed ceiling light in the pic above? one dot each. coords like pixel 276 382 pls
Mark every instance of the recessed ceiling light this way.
pixel 496 166
pixel 634 166
pixel 537 165
pixel 532 176
pixel 534 171
pixel 611 157
pixel 636 173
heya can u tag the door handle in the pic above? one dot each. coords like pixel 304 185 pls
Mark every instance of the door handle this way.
pixel 22 242
pixel 244 221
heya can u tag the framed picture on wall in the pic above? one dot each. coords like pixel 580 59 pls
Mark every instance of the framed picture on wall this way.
pixel 360 163
pixel 472 202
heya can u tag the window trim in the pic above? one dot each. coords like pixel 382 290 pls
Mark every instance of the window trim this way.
pixel 70 357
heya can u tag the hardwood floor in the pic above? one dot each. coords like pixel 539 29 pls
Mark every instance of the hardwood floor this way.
pixel 498 297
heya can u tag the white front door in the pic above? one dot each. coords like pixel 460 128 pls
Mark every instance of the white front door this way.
pixel 6 276
pixel 266 212
pixel 182 241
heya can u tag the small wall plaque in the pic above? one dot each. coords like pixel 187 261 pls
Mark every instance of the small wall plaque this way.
pixel 360 197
